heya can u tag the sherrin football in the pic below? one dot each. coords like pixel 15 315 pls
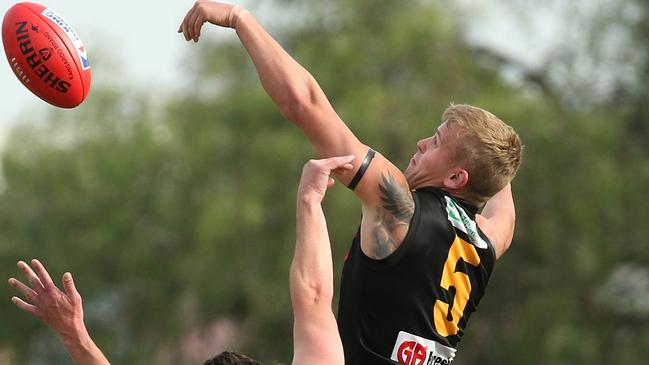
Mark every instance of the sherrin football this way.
pixel 46 54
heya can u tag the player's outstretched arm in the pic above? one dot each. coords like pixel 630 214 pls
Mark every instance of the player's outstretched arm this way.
pixel 293 89
pixel 62 311
pixel 498 219
pixel 383 190
pixel 315 333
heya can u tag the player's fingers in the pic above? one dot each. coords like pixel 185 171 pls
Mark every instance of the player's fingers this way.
pixel 338 162
pixel 330 182
pixel 198 24
pixel 180 27
pixel 186 33
pixel 343 168
pixel 189 23
pixel 69 287
pixel 195 22
pixel 28 292
pixel 31 309
pixel 185 25
pixel 36 284
pixel 43 275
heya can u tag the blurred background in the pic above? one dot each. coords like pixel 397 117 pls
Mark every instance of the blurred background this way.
pixel 169 193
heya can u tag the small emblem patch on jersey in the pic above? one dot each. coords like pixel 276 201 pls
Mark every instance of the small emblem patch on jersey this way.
pixel 410 349
pixel 460 220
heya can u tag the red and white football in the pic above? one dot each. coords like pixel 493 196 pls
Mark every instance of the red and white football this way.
pixel 46 54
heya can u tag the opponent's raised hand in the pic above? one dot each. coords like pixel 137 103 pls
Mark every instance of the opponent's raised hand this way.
pixel 224 15
pixel 316 176
pixel 60 310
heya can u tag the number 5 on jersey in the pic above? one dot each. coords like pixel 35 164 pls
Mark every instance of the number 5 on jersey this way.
pixel 447 319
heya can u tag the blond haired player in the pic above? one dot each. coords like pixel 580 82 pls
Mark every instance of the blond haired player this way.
pixel 423 255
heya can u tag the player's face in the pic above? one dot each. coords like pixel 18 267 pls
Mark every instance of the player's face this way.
pixel 432 163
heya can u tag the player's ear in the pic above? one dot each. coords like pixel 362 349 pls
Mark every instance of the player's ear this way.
pixel 457 179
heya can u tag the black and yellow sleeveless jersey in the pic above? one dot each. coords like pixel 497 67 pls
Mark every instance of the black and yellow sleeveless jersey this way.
pixel 413 306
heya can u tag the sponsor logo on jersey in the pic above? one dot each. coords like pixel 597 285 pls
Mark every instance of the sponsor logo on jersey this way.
pixel 72 35
pixel 410 349
pixel 460 220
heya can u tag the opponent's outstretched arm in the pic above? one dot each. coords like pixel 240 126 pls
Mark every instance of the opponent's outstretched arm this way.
pixel 383 189
pixel 60 310
pixel 315 333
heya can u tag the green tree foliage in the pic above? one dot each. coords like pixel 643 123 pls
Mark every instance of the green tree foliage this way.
pixel 176 214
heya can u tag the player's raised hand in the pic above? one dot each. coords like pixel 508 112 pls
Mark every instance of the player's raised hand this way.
pixel 60 310
pixel 225 15
pixel 316 176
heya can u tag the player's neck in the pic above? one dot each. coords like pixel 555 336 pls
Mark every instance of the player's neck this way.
pixel 461 194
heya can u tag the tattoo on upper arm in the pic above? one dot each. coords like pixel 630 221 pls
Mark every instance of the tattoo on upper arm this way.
pixel 397 207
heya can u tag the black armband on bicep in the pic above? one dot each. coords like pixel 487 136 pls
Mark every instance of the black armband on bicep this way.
pixel 361 170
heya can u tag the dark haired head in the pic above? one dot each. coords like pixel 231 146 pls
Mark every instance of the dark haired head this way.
pixel 231 358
